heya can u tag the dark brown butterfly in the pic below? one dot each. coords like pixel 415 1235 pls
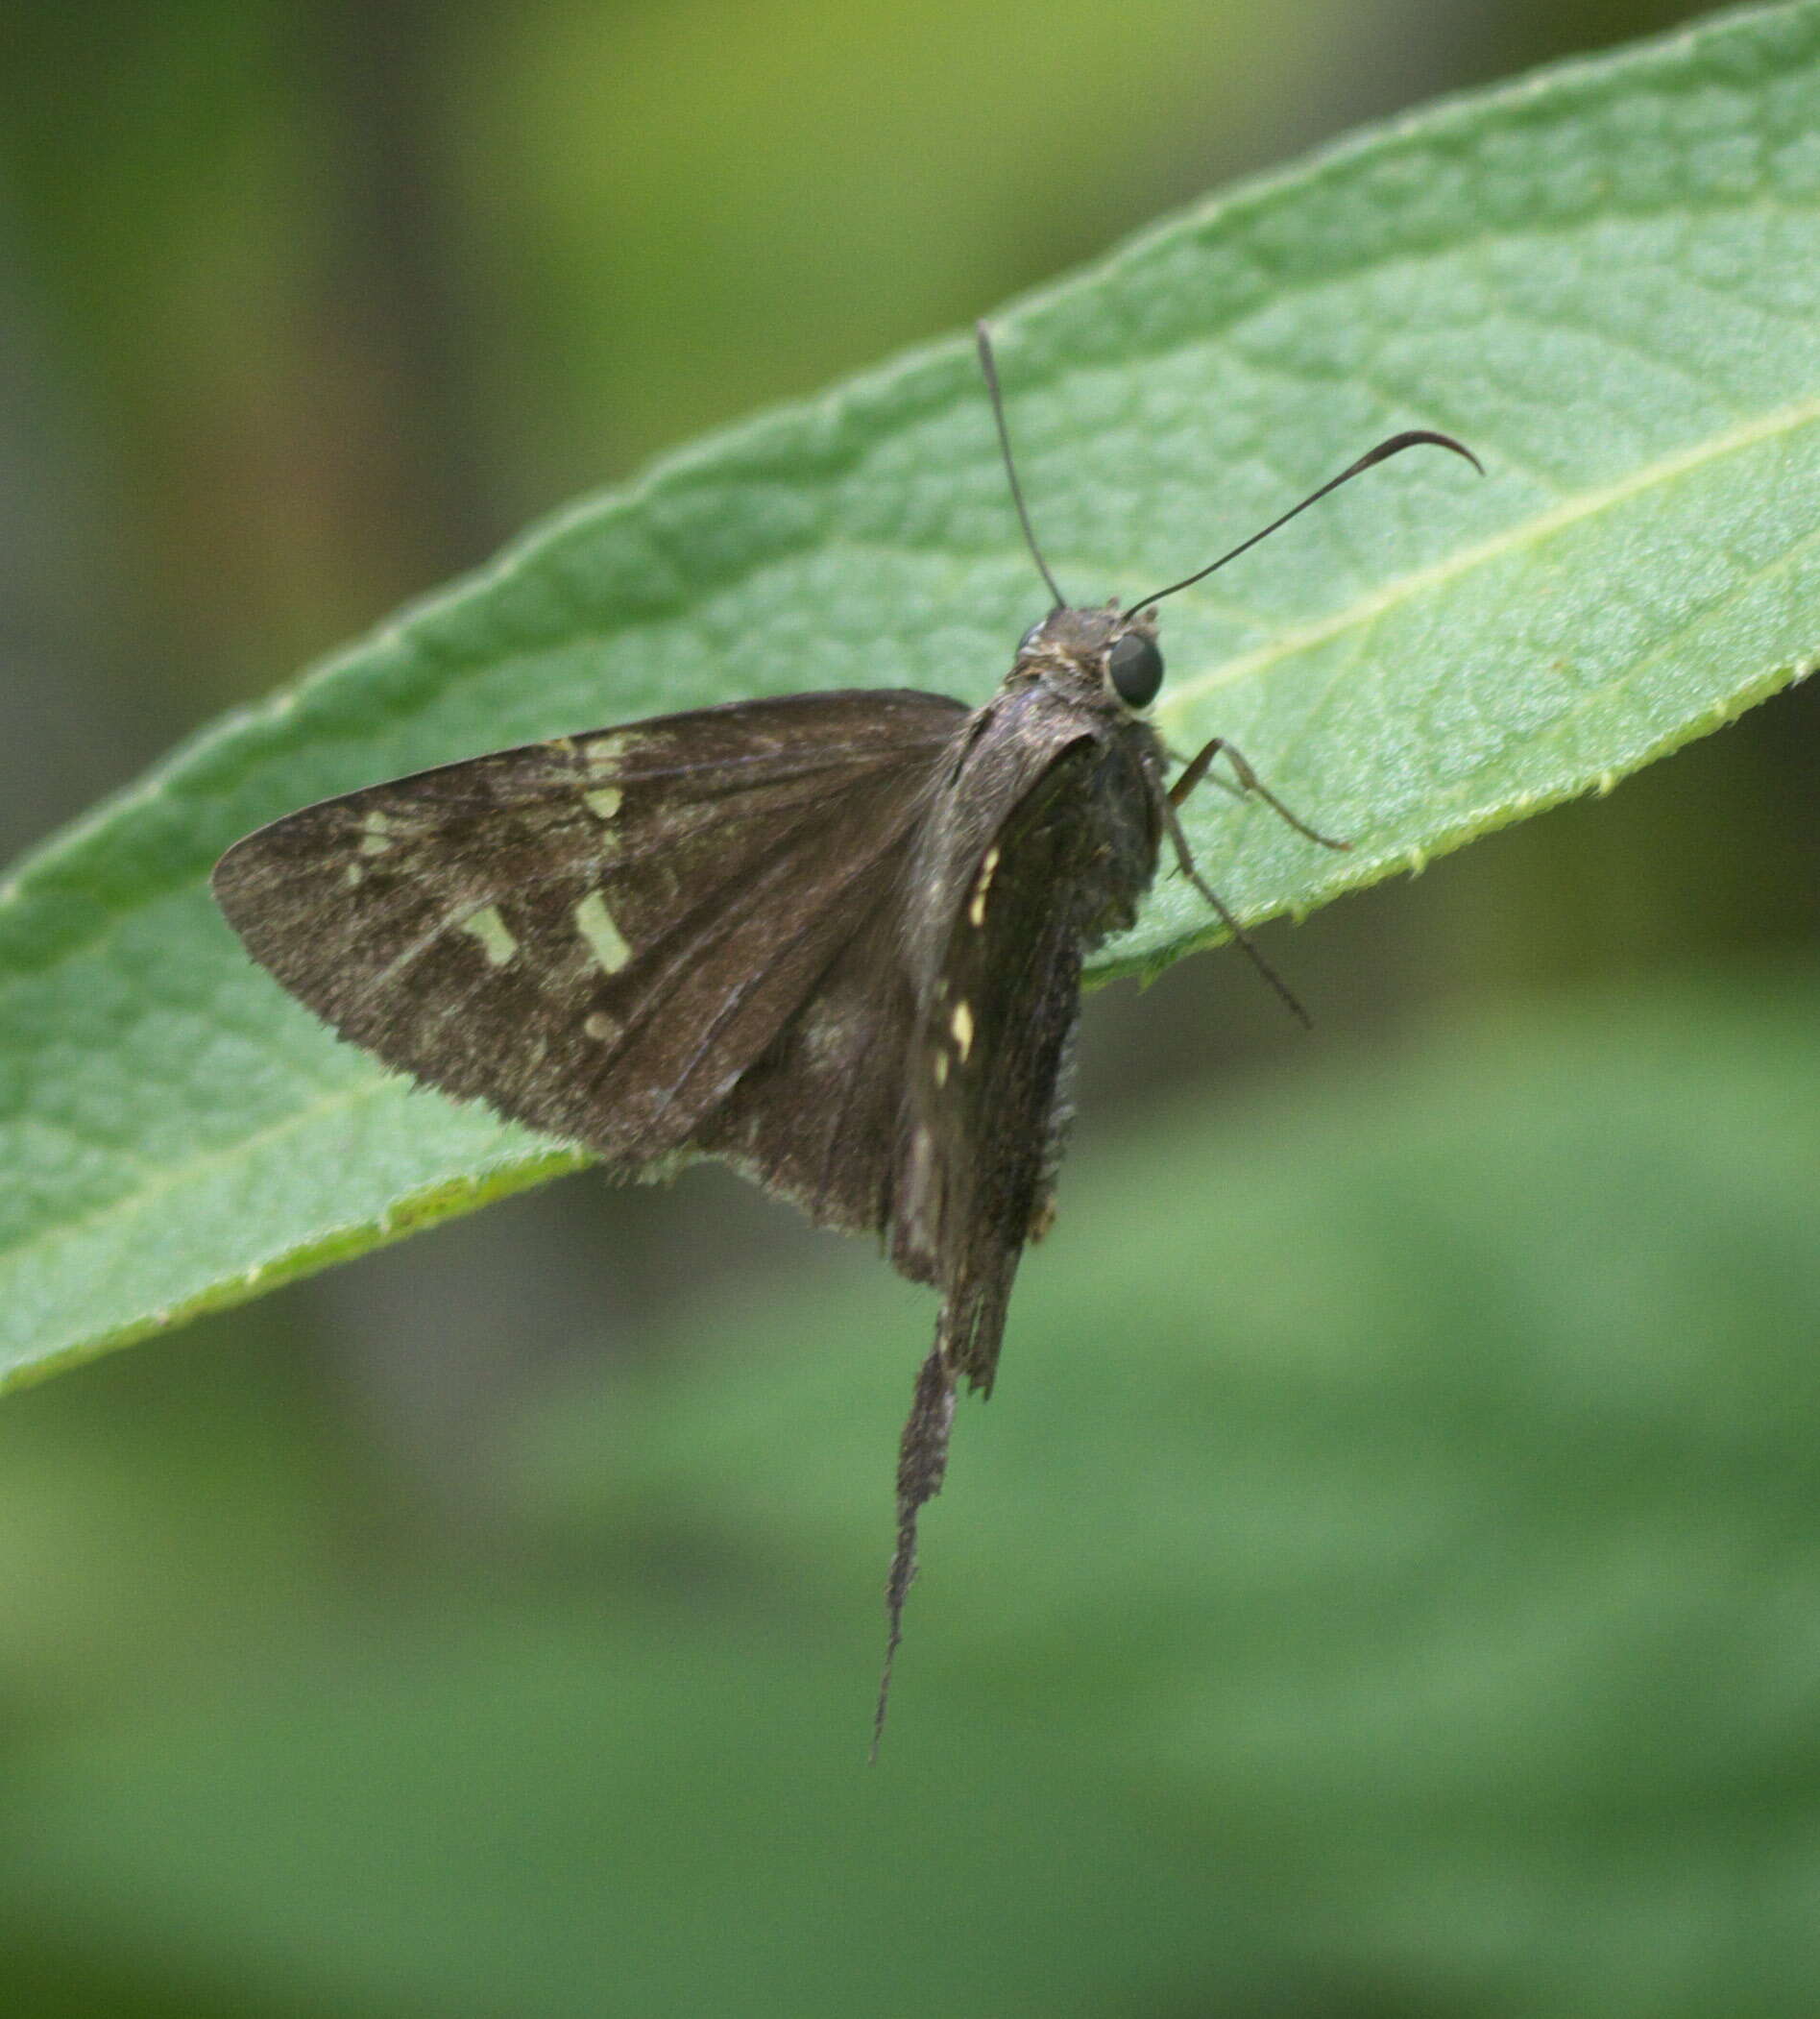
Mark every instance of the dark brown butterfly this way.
pixel 835 941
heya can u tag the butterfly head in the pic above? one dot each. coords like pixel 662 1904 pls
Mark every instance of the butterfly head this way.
pixel 1110 655
pixel 1106 653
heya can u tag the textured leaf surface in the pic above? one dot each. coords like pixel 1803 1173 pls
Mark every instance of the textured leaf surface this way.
pixel 1608 279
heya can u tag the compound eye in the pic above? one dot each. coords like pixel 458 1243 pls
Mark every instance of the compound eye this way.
pixel 1029 639
pixel 1135 667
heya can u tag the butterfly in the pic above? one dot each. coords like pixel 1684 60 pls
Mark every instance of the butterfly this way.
pixel 835 941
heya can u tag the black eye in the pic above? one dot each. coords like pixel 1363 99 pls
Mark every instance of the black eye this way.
pixel 1135 667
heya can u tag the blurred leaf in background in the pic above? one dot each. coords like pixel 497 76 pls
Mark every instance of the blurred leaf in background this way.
pixel 1398 1599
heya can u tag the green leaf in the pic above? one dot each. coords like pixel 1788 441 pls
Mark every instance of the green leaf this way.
pixel 1606 278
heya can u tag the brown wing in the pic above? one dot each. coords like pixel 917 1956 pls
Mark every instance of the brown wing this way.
pixel 601 935
pixel 1052 844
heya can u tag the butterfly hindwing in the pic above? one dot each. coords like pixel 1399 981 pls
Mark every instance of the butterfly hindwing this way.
pixel 1056 840
pixel 816 1116
pixel 599 934
pixel 1041 843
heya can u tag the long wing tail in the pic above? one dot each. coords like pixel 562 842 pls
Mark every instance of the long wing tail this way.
pixel 922 1463
pixel 967 1338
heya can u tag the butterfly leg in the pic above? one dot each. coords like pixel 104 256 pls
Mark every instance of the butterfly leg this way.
pixel 1249 782
pixel 1185 862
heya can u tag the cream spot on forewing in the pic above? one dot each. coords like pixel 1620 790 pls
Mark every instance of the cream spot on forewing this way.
pixel 605 802
pixel 354 876
pixel 941 1069
pixel 976 909
pixel 961 1025
pixel 595 923
pixel 375 833
pixel 494 936
pixel 598 1025
pixel 604 752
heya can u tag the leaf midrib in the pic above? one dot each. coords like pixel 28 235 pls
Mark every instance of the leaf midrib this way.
pixel 1530 531
pixel 169 1177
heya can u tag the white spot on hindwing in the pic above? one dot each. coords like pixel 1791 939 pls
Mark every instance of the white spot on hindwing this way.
pixel 496 937
pixel 941 1069
pixel 595 925
pixel 598 1025
pixel 976 905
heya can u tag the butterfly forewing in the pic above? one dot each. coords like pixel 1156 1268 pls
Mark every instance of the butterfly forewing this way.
pixel 598 934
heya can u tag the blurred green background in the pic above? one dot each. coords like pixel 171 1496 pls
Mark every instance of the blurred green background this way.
pixel 1388 1585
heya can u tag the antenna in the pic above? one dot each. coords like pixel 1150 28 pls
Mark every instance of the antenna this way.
pixel 1011 468
pixel 1414 438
